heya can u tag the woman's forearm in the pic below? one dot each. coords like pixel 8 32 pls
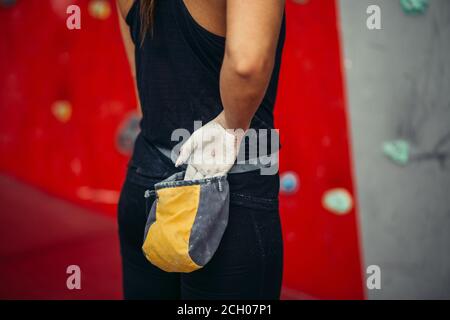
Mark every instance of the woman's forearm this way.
pixel 242 87
pixel 253 29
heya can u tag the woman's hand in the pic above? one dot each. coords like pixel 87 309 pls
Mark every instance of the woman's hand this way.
pixel 211 150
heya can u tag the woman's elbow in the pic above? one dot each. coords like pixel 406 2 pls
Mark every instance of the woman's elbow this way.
pixel 250 65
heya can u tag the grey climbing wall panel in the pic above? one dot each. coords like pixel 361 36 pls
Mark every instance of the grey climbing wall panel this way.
pixel 398 86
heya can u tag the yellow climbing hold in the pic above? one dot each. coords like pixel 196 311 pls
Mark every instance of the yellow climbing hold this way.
pixel 99 9
pixel 62 110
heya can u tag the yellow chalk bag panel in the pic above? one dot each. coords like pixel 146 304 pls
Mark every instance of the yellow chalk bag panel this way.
pixel 186 222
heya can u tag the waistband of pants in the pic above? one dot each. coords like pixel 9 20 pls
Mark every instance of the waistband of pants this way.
pixel 254 164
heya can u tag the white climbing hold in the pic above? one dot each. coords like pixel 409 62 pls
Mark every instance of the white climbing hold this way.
pixel 338 201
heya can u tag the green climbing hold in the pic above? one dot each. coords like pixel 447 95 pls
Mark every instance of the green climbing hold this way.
pixel 414 6
pixel 338 201
pixel 397 151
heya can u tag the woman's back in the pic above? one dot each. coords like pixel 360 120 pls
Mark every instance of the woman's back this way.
pixel 177 70
pixel 186 73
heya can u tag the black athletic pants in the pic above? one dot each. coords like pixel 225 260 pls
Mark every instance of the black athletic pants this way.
pixel 247 265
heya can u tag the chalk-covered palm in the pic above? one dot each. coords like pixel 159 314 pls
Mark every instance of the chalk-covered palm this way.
pixel 210 151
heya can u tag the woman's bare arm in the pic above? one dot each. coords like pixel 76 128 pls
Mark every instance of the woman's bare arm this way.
pixel 253 29
pixel 123 6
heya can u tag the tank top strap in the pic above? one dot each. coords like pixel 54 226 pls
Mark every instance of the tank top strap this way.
pixel 133 20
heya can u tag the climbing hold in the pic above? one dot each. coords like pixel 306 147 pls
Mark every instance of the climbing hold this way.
pixel 7 3
pixel 414 6
pixel 127 133
pixel 99 9
pixel 105 196
pixel 62 110
pixel 338 201
pixel 289 182
pixel 397 151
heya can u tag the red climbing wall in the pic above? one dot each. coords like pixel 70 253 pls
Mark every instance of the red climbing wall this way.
pixel 321 247
pixel 64 94
pixel 41 63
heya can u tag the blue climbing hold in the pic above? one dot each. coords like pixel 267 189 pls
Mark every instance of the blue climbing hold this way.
pixel 414 6
pixel 398 151
pixel 289 182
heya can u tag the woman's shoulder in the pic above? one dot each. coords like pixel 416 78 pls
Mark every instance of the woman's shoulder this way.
pixel 125 6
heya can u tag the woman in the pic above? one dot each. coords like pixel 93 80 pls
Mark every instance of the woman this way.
pixel 216 62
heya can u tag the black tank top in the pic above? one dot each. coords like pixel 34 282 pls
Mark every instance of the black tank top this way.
pixel 177 72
